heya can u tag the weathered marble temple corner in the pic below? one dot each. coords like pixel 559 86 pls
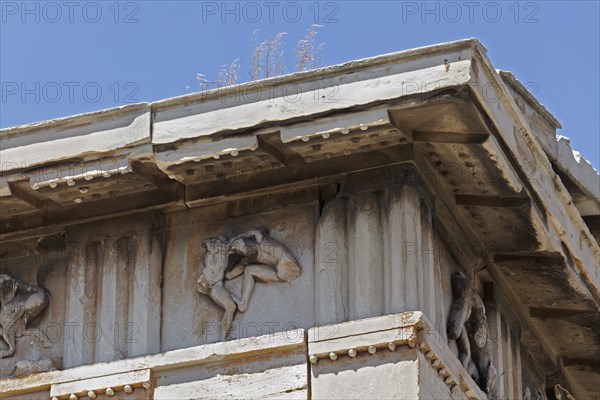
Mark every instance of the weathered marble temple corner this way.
pixel 425 235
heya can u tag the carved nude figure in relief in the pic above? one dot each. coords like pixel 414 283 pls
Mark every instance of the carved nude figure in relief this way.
pixel 265 259
pixel 20 302
pixel 253 254
pixel 210 281
pixel 467 325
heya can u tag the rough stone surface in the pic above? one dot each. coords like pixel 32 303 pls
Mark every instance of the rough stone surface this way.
pixel 430 162
pixel 27 367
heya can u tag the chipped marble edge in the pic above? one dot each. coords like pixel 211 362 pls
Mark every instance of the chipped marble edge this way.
pixel 510 79
pixel 584 173
pixel 384 334
pixel 367 325
pixel 319 73
pixel 76 119
pixel 172 359
pixel 324 72
pixel 108 385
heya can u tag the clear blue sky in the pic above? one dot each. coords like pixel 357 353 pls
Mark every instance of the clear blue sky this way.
pixel 56 55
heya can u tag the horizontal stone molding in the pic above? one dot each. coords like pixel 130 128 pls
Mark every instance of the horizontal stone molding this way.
pixel 384 335
pixel 60 381
pixel 369 336
pixel 108 385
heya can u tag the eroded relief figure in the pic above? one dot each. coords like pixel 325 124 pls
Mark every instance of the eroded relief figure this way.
pixel 560 393
pixel 210 281
pixel 20 302
pixel 253 254
pixel 264 258
pixel 467 325
pixel 538 395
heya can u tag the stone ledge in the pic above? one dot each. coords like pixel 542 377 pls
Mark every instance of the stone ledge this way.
pixel 387 333
pixel 181 358
pixel 89 136
pixel 108 385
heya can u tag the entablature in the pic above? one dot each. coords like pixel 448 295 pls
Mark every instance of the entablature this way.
pixel 443 110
